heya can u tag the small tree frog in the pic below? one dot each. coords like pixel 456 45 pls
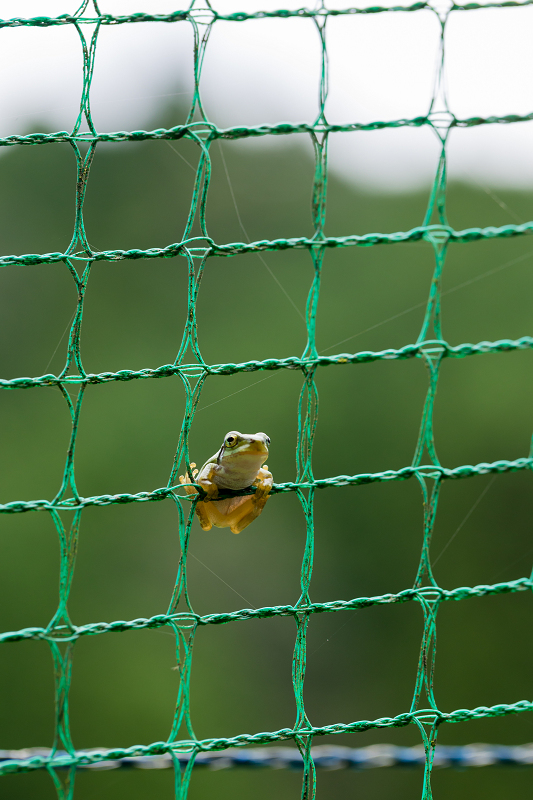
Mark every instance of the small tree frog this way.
pixel 237 465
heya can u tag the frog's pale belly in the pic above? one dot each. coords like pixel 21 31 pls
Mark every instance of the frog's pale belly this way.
pixel 239 475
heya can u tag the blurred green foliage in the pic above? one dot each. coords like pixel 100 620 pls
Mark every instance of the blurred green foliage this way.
pixel 360 664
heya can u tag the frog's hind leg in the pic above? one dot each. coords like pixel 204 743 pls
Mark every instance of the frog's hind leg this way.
pixel 257 501
pixel 203 516
pixel 254 512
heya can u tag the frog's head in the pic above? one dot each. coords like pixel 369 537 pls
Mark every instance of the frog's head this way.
pixel 244 449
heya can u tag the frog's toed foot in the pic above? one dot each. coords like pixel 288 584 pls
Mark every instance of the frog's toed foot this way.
pixel 186 481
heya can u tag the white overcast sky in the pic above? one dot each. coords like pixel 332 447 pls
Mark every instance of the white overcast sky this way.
pixel 381 68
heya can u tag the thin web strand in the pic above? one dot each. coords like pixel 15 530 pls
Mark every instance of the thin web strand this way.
pixel 442 294
pixel 69 325
pixel 262 260
pixel 181 156
pixel 464 521
pixel 223 581
pixel 497 199
pixel 226 397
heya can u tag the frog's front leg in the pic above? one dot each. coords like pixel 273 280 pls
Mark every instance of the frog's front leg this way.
pixel 206 480
pixel 257 501
pixel 264 484
pixel 186 481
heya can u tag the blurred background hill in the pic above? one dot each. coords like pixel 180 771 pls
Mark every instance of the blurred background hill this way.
pixel 368 538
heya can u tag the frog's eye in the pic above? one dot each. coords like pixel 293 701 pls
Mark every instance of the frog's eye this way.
pixel 230 440
pixel 267 438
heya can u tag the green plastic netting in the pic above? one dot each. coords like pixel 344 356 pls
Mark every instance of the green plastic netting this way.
pixel 61 633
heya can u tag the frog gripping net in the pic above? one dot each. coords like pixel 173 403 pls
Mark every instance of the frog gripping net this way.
pixel 61 634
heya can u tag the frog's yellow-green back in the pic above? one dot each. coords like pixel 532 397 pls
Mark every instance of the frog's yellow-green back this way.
pixel 182 749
